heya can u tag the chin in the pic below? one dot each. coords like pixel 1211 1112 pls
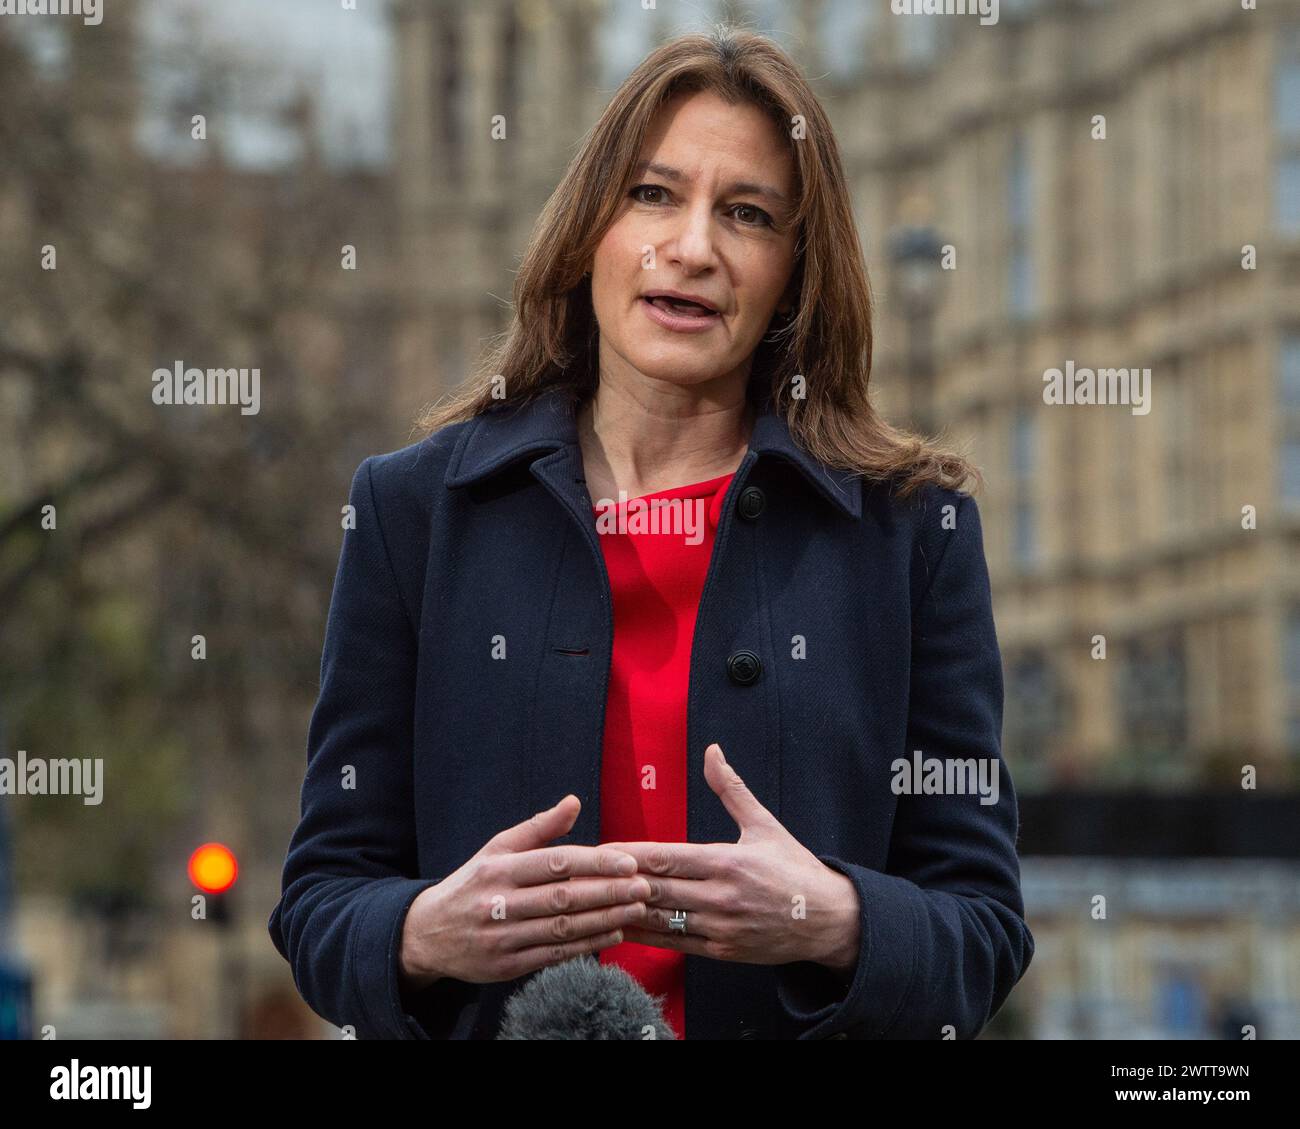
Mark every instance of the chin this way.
pixel 672 369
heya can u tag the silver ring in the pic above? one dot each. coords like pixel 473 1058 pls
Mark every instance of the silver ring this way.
pixel 677 922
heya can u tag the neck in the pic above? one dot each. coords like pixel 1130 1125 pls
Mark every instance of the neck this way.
pixel 653 436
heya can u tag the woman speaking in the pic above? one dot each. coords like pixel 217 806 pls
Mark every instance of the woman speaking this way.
pixel 662 644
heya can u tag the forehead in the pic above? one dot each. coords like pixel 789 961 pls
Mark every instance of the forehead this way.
pixel 701 133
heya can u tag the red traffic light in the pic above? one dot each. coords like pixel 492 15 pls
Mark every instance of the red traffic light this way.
pixel 213 868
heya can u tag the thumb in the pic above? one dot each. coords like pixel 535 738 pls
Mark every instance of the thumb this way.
pixel 740 802
pixel 539 829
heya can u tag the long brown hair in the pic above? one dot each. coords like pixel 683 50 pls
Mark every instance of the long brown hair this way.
pixel 552 338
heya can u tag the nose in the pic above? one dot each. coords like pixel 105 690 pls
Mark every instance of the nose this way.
pixel 693 248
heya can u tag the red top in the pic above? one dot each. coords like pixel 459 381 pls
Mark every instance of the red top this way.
pixel 657 554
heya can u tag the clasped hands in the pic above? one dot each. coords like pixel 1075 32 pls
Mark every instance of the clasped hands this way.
pixel 765 899
pixel 520 904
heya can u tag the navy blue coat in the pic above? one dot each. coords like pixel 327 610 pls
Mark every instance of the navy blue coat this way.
pixel 484 529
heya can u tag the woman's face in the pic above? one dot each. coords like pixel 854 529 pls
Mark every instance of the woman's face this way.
pixel 705 216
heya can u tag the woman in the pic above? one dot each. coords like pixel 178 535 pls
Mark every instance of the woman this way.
pixel 678 730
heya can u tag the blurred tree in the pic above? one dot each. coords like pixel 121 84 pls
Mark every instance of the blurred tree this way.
pixel 172 521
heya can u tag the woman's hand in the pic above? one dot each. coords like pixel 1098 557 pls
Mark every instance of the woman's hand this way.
pixel 518 905
pixel 765 899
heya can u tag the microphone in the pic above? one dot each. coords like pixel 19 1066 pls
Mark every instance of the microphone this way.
pixel 583 999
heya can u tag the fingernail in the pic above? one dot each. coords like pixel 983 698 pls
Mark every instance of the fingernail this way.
pixel 627 864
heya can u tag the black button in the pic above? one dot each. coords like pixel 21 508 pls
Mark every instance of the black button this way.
pixel 838 1035
pixel 752 501
pixel 744 667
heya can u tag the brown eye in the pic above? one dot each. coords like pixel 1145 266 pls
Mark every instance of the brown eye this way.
pixel 761 218
pixel 646 188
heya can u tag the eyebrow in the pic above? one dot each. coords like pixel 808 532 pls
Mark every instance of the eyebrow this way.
pixel 742 186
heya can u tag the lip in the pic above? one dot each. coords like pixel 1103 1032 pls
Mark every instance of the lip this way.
pixel 681 296
pixel 678 323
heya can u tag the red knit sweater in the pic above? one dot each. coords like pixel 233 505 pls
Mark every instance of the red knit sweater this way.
pixel 657 554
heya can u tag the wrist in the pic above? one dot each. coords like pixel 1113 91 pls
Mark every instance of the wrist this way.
pixel 413 976
pixel 415 966
pixel 845 936
pixel 412 981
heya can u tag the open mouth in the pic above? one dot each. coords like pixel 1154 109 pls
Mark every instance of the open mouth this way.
pixel 679 307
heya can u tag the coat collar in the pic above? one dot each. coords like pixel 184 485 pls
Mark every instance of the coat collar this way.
pixel 507 433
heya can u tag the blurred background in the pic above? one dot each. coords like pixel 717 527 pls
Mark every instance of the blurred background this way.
pixel 310 187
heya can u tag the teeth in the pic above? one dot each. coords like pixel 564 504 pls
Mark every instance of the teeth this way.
pixel 680 306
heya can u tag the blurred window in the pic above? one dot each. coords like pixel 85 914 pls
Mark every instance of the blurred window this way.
pixel 1020 218
pixel 624 38
pixel 450 142
pixel 1291 666
pixel 1286 89
pixel 1286 114
pixel 1291 469
pixel 1289 397
pixel 845 31
pixel 1023 463
pixel 1182 457
pixel 1291 371
pixel 1288 194
pixel 1035 707
pixel 918 39
pixel 1152 694
pixel 512 56
pixel 1181 1004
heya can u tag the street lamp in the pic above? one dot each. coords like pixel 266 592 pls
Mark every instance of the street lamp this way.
pixel 213 869
pixel 914 253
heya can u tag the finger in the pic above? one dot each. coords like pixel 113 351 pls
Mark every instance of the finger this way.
pixel 678 942
pixel 539 829
pixel 687 893
pixel 575 895
pixel 709 924
pixel 551 864
pixel 565 927
pixel 682 860
pixel 530 960
pixel 740 802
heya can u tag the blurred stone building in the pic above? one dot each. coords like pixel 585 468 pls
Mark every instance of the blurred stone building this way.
pixel 1119 251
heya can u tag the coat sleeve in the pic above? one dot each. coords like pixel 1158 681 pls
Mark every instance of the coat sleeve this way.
pixel 351 871
pixel 943 936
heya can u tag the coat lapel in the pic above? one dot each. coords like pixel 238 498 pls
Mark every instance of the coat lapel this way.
pixel 509 432
pixel 571 687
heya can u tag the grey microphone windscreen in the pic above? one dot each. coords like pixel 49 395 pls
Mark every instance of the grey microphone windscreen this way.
pixel 583 999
